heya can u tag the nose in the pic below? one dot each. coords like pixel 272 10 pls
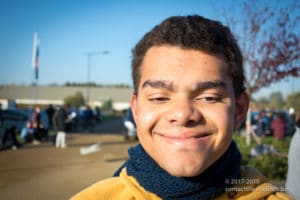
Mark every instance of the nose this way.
pixel 184 112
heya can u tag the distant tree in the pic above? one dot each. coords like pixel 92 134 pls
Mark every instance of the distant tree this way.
pixel 107 105
pixel 263 101
pixel 293 101
pixel 121 85
pixel 93 84
pixel 53 84
pixel 269 36
pixel 76 100
pixel 276 100
pixel 74 84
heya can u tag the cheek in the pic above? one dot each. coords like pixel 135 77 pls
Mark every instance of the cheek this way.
pixel 222 118
pixel 146 118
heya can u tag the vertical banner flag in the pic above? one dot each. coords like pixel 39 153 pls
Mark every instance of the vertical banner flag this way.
pixel 35 55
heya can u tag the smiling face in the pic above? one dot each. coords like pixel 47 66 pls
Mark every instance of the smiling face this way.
pixel 185 109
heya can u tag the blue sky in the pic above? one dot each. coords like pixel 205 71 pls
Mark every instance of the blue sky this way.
pixel 68 29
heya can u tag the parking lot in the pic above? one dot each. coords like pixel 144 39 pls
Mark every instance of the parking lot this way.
pixel 45 172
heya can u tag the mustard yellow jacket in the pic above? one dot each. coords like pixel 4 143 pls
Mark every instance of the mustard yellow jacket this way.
pixel 252 186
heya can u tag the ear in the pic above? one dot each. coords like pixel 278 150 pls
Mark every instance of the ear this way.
pixel 133 105
pixel 242 105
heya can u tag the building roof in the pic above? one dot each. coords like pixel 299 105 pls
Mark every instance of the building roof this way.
pixel 58 93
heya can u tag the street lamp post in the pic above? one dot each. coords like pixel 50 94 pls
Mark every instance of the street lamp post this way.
pixel 89 57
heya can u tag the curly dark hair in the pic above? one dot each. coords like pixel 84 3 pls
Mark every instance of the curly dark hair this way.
pixel 192 32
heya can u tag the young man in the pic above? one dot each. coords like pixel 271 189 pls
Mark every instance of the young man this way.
pixel 189 96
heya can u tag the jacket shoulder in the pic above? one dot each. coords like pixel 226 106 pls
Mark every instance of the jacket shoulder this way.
pixel 122 187
pixel 111 188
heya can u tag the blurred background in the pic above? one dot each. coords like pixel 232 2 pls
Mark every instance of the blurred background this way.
pixel 75 52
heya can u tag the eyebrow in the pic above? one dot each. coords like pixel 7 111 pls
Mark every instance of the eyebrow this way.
pixel 211 85
pixel 159 84
pixel 203 85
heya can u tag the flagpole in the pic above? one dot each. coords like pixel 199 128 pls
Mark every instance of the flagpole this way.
pixel 35 63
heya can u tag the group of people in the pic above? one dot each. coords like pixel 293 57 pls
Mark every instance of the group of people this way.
pixel 189 97
pixel 36 129
pixel 60 119
pixel 277 124
pixel 89 118
pixel 55 119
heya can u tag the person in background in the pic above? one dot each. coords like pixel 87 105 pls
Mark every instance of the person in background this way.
pixel 98 115
pixel 88 118
pixel 278 126
pixel 293 175
pixel 291 121
pixel 188 99
pixel 12 133
pixel 1 118
pixel 50 112
pixel 61 120
pixel 36 125
pixel 257 129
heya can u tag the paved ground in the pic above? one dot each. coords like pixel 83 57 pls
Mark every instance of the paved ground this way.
pixel 44 172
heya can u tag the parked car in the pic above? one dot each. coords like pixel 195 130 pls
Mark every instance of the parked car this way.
pixel 9 118
pixel 12 118
pixel 130 126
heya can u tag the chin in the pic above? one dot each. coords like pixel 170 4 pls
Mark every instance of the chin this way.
pixel 185 172
pixel 185 169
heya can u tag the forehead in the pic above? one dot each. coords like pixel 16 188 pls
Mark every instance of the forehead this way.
pixel 169 54
pixel 170 62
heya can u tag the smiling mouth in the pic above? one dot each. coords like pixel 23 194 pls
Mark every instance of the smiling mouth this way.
pixel 184 138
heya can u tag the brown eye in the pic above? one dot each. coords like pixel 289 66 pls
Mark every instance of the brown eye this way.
pixel 210 99
pixel 158 99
